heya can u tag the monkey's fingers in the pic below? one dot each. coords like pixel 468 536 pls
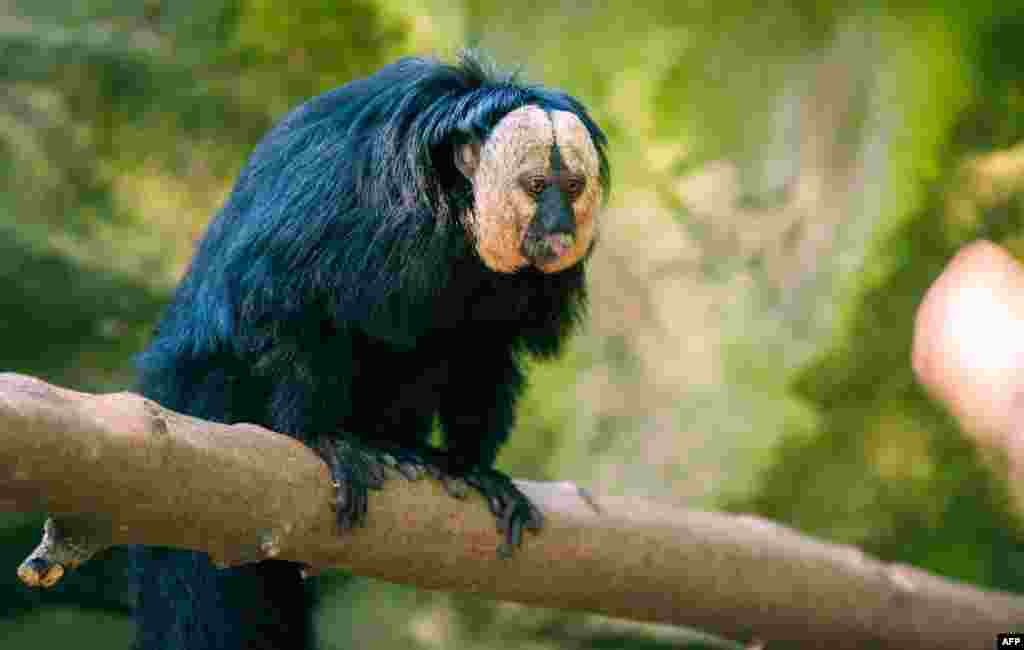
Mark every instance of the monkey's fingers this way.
pixel 351 504
pixel 455 487
pixel 375 475
pixel 434 471
pixel 520 516
pixel 513 530
pixel 410 472
pixel 410 464
pixel 327 453
pixel 511 508
pixel 535 520
pixel 495 500
pixel 355 470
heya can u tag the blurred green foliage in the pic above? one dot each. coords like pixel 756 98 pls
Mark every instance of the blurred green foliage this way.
pixel 123 122
pixel 915 490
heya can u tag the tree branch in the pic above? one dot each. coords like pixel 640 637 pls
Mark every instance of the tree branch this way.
pixel 118 469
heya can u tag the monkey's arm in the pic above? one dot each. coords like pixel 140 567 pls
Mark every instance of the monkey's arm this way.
pixel 477 415
pixel 310 397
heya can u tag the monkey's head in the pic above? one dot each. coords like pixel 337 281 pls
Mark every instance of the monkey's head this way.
pixel 537 188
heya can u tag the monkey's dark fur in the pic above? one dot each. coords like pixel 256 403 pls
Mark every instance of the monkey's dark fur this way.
pixel 338 296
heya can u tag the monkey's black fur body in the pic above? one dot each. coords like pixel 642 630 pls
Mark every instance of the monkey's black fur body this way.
pixel 338 294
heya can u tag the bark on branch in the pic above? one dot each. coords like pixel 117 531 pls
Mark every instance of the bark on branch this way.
pixel 117 469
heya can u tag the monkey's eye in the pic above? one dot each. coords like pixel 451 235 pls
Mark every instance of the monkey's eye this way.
pixel 534 185
pixel 573 186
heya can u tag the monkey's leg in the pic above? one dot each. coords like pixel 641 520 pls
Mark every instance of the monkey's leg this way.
pixel 307 403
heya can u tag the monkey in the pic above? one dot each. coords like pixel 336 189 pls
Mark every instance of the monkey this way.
pixel 390 255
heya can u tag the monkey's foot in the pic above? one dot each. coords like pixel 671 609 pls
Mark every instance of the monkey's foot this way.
pixel 513 509
pixel 355 470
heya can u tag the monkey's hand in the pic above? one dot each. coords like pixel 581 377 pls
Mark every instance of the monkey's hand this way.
pixel 513 509
pixel 510 506
pixel 355 470
pixel 507 503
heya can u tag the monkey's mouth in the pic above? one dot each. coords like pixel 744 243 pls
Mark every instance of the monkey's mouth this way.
pixel 547 249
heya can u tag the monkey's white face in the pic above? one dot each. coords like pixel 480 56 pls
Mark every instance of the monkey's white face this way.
pixel 537 191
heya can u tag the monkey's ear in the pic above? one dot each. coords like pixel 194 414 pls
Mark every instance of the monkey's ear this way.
pixel 467 158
